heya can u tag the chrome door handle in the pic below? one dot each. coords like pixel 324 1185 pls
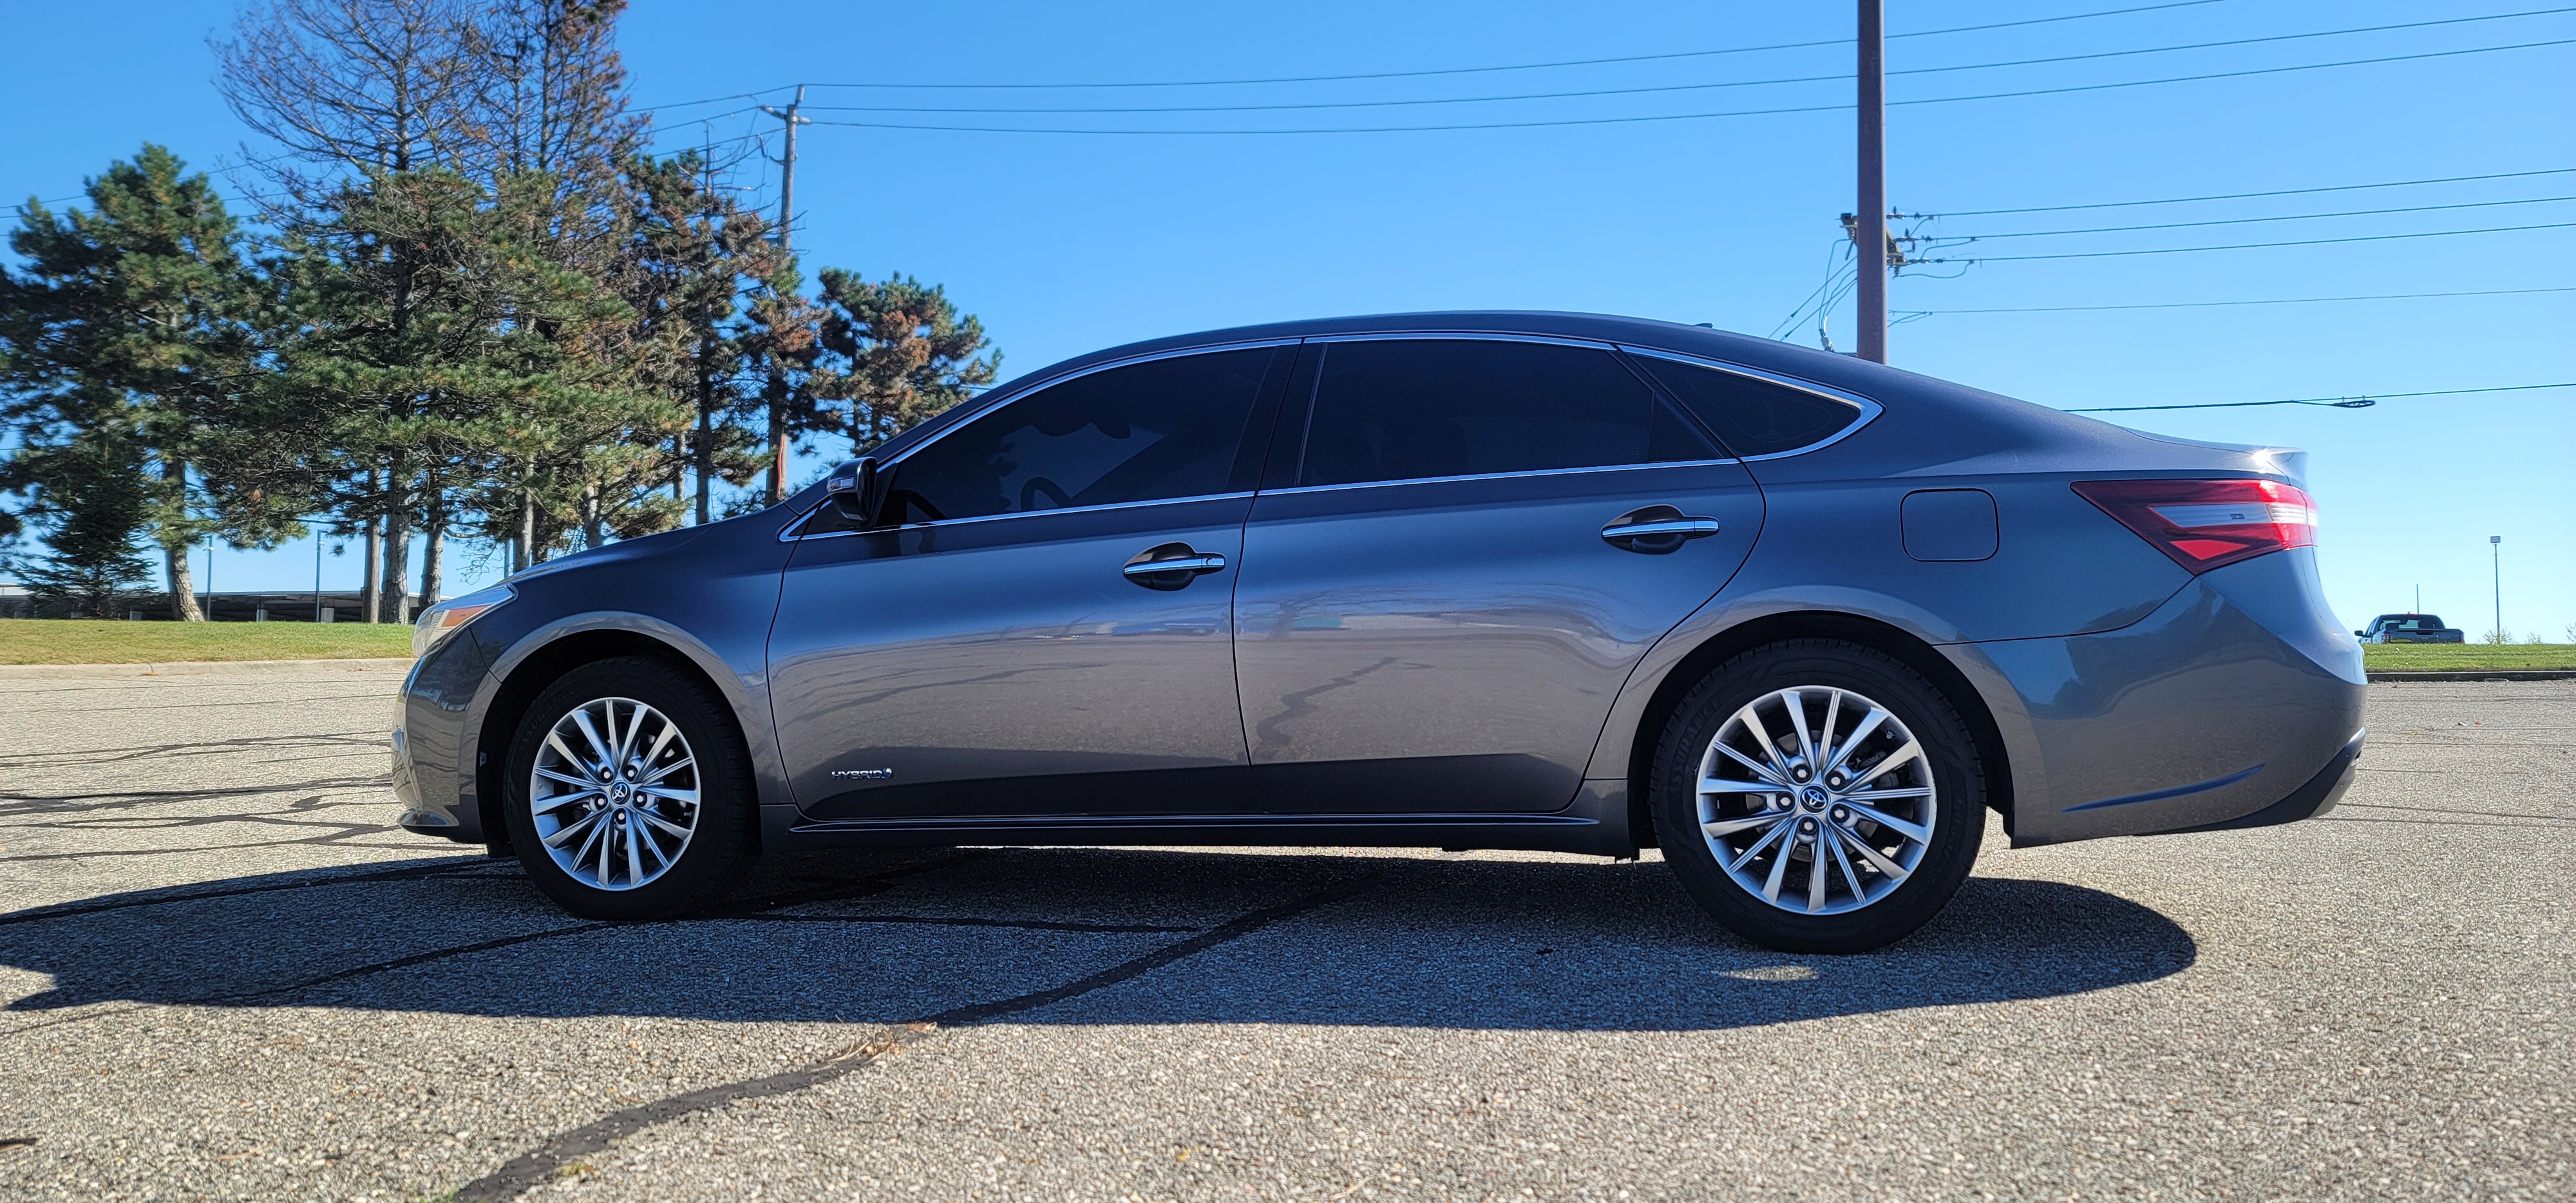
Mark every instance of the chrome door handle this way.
pixel 1688 528
pixel 1171 566
pixel 1194 565
pixel 1656 530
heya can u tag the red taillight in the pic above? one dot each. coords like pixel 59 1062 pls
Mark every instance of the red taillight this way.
pixel 2205 524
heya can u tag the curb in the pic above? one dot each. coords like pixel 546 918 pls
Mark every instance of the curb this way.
pixel 2472 674
pixel 195 668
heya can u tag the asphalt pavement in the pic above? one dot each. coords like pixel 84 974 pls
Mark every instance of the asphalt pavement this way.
pixel 224 975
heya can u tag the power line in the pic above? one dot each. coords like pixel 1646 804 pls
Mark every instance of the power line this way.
pixel 2360 402
pixel 2385 296
pixel 1820 108
pixel 1666 88
pixel 2238 221
pixel 2176 200
pixel 1585 62
pixel 2247 246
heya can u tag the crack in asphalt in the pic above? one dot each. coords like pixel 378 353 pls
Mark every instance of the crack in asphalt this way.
pixel 345 832
pixel 336 879
pixel 874 884
pixel 14 803
pixel 368 737
pixel 269 702
pixel 539 1165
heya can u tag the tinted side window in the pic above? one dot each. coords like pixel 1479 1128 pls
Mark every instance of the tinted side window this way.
pixel 1413 408
pixel 1752 416
pixel 1160 429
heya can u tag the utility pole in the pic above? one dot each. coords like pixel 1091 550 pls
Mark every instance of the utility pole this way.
pixel 1871 233
pixel 786 225
pixel 2495 544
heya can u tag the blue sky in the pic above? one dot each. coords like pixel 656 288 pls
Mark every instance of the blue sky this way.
pixel 1065 242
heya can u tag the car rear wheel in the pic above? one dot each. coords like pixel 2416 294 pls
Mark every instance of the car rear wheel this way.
pixel 1818 796
pixel 630 793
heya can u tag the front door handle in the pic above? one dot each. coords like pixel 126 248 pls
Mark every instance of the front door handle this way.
pixel 1171 566
pixel 1656 530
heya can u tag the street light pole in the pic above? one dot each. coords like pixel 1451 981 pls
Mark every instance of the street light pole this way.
pixel 2495 545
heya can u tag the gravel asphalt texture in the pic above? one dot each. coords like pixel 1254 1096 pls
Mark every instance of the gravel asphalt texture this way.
pixel 224 975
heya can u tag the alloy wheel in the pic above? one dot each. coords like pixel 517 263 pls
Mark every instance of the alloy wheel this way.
pixel 1816 800
pixel 614 793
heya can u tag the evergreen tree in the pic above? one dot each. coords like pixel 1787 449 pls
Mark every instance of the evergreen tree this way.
pixel 125 323
pixel 85 492
pixel 895 353
pixel 697 254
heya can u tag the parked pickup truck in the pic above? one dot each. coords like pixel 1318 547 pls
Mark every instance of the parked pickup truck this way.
pixel 2408 628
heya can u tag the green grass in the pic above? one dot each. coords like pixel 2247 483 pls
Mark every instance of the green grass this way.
pixel 81 641
pixel 2427 657
pixel 69 641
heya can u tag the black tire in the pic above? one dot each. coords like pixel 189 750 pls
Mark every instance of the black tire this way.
pixel 719 852
pixel 1957 777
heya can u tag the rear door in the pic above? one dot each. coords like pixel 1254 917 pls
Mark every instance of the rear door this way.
pixel 1470 544
pixel 1009 646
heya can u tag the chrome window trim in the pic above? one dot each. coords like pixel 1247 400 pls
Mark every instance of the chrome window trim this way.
pixel 1434 480
pixel 1869 409
pixel 1492 337
pixel 993 401
pixel 796 530
pixel 792 533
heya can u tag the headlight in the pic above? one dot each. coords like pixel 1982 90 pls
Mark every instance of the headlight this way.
pixel 442 620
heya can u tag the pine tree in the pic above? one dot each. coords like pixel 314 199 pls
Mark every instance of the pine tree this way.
pixel 895 353
pixel 696 255
pixel 86 492
pixel 125 322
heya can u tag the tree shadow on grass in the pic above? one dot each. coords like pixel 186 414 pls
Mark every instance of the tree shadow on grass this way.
pixel 892 936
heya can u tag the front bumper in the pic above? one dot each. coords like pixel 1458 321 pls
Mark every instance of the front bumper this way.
pixel 430 743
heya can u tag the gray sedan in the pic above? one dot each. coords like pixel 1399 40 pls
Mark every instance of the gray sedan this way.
pixel 1492 580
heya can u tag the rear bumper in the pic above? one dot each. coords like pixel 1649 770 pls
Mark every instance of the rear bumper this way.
pixel 2220 709
pixel 2317 797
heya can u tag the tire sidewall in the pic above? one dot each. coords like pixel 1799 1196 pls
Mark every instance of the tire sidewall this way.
pixel 1957 774
pixel 718 849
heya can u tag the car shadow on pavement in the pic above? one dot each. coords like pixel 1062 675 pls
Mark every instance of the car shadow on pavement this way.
pixel 898 935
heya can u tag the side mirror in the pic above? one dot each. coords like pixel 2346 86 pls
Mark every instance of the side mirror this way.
pixel 852 490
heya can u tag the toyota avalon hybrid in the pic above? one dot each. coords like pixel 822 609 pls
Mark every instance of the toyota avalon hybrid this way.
pixel 1470 580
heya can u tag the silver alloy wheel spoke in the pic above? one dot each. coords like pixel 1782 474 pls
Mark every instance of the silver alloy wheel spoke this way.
pixel 1877 859
pixel 1762 735
pixel 620 816
pixel 1795 841
pixel 1777 828
pixel 1868 723
pixel 1895 759
pixel 1915 832
pixel 1777 779
pixel 1797 708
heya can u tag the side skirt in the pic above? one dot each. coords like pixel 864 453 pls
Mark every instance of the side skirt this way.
pixel 1596 825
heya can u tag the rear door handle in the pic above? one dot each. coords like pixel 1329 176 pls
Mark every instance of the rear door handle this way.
pixel 1171 566
pixel 1656 529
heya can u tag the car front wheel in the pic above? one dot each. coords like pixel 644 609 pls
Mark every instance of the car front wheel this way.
pixel 630 793
pixel 1818 796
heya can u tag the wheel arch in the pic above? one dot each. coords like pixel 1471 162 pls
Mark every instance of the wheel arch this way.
pixel 542 666
pixel 1907 648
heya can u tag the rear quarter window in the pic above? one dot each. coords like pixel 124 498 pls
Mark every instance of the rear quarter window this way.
pixel 1753 416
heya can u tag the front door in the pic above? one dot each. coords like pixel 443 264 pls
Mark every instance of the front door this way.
pixel 1042 625
pixel 1436 613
